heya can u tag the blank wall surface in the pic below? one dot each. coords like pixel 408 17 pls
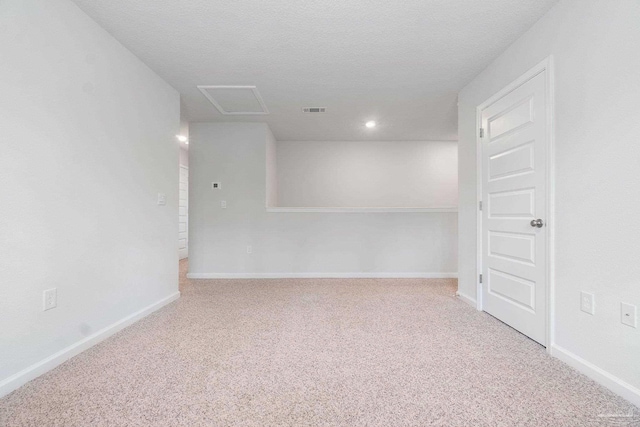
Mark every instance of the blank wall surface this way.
pixel 294 243
pixel 367 174
pixel 88 141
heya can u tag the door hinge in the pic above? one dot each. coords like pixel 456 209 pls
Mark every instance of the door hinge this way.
pixel 481 132
pixel 480 278
pixel 480 205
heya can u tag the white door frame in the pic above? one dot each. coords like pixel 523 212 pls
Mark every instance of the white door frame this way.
pixel 545 66
pixel 187 248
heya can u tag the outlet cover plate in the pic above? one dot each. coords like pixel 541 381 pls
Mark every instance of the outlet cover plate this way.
pixel 50 299
pixel 587 303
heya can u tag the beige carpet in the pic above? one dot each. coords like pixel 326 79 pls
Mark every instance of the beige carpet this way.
pixel 315 353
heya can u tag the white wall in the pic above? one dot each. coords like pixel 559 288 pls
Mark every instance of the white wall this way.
pixel 594 44
pixel 183 205
pixel 184 147
pixel 272 170
pixel 183 201
pixel 295 243
pixel 87 143
pixel 368 173
pixel 184 157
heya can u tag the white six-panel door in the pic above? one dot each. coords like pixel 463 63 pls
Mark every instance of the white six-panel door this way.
pixel 514 173
pixel 183 213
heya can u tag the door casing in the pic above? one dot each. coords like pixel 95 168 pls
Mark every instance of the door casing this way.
pixel 546 66
pixel 184 252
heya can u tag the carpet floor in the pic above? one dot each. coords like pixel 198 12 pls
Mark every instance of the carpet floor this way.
pixel 325 352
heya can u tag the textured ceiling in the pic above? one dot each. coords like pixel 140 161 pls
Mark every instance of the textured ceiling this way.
pixel 400 63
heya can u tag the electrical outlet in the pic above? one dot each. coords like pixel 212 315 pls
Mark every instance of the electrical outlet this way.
pixel 223 204
pixel 249 249
pixel 50 299
pixel 628 314
pixel 162 199
pixel 216 185
pixel 587 302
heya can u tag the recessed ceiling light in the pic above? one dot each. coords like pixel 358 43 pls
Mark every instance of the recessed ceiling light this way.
pixel 182 138
pixel 370 124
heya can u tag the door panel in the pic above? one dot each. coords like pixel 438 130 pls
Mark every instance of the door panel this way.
pixel 514 289
pixel 512 204
pixel 510 119
pixel 512 246
pixel 518 160
pixel 514 190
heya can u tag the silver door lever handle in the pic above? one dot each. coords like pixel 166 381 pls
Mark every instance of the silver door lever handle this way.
pixel 537 223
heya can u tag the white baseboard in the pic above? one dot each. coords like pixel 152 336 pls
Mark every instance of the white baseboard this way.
pixel 358 275
pixel 466 298
pixel 602 377
pixel 17 380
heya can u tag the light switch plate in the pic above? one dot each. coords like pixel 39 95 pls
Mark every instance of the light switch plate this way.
pixel 223 204
pixel 587 302
pixel 628 314
pixel 162 199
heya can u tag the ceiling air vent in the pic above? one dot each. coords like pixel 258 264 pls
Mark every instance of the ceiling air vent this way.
pixel 314 109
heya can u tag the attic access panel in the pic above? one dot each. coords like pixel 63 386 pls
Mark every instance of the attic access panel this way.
pixel 235 100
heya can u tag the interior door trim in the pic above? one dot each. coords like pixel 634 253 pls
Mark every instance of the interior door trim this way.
pixel 546 66
pixel 186 249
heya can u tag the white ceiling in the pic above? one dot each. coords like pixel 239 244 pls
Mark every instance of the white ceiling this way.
pixel 400 63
